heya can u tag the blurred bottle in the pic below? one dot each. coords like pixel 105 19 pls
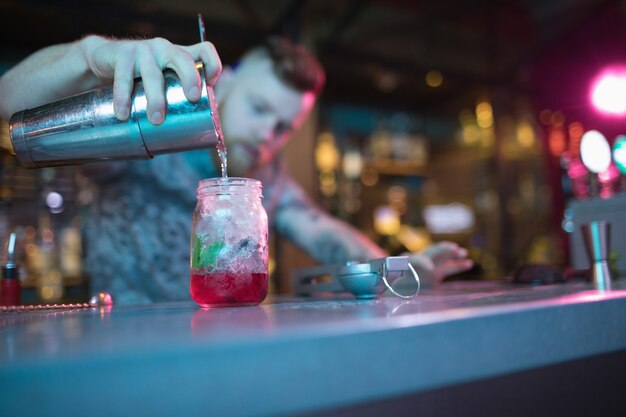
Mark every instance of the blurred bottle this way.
pixel 70 250
pixel 50 283
pixel 31 258
pixel 10 288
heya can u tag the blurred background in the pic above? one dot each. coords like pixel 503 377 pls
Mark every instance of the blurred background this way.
pixel 441 120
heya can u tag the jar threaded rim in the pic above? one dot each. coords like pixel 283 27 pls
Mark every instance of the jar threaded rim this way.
pixel 229 185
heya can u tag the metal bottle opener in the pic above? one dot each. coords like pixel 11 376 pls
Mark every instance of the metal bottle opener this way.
pixel 365 280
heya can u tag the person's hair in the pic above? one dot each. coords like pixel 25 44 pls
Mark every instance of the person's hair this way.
pixel 295 66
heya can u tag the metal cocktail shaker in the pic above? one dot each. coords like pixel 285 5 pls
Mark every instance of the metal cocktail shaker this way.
pixel 83 128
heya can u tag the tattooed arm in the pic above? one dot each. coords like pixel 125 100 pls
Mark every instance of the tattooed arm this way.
pixel 325 238
pixel 330 240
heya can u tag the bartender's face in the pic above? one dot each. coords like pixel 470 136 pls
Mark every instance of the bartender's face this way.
pixel 258 114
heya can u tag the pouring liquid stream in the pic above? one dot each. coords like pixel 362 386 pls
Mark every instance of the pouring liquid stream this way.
pixel 222 151
pixel 211 286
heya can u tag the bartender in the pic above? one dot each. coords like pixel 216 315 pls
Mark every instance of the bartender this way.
pixel 137 228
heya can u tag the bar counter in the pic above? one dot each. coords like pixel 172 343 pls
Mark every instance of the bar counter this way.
pixel 300 356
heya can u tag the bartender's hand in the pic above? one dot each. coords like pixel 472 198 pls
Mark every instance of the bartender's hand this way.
pixel 438 261
pixel 123 60
pixel 63 70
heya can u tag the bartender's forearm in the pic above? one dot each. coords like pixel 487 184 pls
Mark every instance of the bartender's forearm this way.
pixel 49 74
pixel 326 239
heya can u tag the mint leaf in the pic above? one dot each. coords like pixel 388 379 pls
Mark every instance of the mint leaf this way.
pixel 209 254
pixel 196 251
pixel 205 256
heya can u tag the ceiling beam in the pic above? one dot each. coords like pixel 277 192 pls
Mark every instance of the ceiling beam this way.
pixel 345 20
pixel 251 15
pixel 288 23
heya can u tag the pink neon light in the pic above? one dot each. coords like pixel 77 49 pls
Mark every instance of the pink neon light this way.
pixel 608 91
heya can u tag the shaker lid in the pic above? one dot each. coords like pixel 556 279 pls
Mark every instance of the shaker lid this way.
pixel 19 142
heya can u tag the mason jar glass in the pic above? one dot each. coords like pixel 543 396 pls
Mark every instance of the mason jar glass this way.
pixel 229 243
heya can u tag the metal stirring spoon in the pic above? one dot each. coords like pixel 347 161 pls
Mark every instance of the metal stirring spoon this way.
pixel 102 299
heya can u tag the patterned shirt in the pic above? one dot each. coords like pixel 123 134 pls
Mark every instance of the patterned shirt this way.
pixel 137 230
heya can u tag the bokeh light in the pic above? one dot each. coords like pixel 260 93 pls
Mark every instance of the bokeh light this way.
pixel 434 78
pixel 54 200
pixel 608 91
pixel 386 221
pixel 484 114
pixel 575 132
pixel 619 153
pixel 595 151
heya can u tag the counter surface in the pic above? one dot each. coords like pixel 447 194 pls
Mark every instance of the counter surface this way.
pixel 295 355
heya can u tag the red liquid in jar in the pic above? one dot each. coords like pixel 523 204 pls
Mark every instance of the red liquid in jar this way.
pixel 223 289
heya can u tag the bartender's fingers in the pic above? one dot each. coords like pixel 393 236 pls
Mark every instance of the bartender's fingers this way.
pixel 433 272
pixel 176 57
pixel 442 251
pixel 453 267
pixel 153 86
pixel 449 258
pixel 110 59
pixel 123 84
pixel 418 260
pixel 184 65
pixel 206 52
pixel 425 269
